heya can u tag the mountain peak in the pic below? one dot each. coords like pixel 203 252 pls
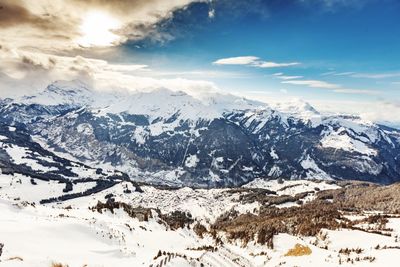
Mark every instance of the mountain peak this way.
pixel 74 93
pixel 296 106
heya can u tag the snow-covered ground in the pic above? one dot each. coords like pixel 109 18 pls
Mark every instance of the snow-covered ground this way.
pixel 71 233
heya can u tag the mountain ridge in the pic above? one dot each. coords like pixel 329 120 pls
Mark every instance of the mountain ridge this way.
pixel 172 138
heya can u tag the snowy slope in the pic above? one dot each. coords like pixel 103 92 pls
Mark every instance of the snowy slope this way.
pixel 71 233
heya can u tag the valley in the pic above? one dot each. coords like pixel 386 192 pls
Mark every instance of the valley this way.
pixel 255 225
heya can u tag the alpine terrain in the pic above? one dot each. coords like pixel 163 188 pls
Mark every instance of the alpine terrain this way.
pixel 199 133
pixel 218 180
pixel 215 140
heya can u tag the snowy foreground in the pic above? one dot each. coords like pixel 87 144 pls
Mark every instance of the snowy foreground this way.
pixel 71 233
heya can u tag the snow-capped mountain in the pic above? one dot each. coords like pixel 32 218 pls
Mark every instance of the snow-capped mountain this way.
pixel 168 137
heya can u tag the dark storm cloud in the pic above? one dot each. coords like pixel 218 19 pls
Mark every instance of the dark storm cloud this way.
pixel 61 21
pixel 32 63
pixel 14 13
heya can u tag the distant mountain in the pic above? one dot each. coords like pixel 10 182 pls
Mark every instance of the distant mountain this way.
pixel 173 138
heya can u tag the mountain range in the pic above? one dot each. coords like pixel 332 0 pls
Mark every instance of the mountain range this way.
pixel 70 130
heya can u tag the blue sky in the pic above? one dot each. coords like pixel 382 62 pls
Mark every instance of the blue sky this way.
pixel 353 45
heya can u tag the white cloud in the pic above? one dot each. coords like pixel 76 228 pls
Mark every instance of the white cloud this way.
pixel 282 76
pixel 344 73
pixel 247 60
pixel 253 92
pixel 266 64
pixel 26 72
pixel 357 91
pixel 313 84
pixel 384 112
pixel 376 75
pixel 383 75
pixel 330 86
pixel 285 77
pixel 204 73
pixel 252 61
pixel 328 73
pixel 211 13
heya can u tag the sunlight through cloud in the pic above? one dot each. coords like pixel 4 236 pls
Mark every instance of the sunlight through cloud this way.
pixel 97 30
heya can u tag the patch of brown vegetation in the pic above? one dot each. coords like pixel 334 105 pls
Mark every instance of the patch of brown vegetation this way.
pixel 16 258
pixel 204 248
pixel 298 250
pixel 200 229
pixel 174 220
pixel 306 220
pixel 142 214
pixel 177 219
pixel 347 251
pixel 55 264
pixel 268 198
pixel 358 196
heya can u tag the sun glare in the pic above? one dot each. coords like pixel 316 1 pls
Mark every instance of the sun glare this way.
pixel 96 30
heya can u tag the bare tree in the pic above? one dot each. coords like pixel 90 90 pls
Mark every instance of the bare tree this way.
pixel 1 248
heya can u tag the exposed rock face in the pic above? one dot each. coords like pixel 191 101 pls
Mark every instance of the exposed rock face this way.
pixel 172 138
